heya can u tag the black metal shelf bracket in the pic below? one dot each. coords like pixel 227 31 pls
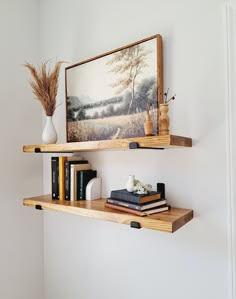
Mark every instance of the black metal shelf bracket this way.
pixel 135 224
pixel 135 145
pixel 38 207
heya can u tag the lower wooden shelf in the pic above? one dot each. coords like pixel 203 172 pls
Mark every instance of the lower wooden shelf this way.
pixel 168 221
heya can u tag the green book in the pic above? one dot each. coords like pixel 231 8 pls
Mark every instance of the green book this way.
pixel 83 177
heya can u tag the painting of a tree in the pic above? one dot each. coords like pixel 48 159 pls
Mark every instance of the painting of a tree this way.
pixel 107 96
pixel 128 64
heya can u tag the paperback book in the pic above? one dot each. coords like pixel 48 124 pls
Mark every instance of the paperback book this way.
pixel 159 209
pixel 139 207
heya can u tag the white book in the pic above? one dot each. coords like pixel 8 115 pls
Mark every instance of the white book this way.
pixel 74 158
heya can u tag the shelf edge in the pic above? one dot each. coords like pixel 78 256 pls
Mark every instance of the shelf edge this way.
pixel 165 141
pixel 155 222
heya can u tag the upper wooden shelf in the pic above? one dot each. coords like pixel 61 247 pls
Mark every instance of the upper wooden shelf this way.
pixel 166 141
pixel 168 221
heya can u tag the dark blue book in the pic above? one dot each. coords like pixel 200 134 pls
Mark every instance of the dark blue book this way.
pixel 67 175
pixel 83 177
pixel 132 197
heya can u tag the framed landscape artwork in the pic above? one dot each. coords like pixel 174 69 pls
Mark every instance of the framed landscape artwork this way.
pixel 107 96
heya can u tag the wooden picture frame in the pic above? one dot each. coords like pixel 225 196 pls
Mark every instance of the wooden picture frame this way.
pixel 107 96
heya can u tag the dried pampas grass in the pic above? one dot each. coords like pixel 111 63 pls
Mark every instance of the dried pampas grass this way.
pixel 45 85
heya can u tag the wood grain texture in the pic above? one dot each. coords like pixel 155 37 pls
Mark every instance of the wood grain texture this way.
pixel 159 47
pixel 168 221
pixel 160 70
pixel 165 141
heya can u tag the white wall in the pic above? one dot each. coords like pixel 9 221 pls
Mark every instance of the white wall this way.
pixel 20 174
pixel 87 258
pixel 230 63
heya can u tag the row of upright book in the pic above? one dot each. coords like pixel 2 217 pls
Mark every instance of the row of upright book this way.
pixel 70 176
pixel 138 204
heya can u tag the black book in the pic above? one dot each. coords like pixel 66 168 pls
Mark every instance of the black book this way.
pixel 67 175
pixel 161 189
pixel 138 207
pixel 83 177
pixel 132 197
pixel 55 177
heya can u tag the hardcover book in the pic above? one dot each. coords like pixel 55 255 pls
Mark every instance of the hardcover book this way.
pixel 123 194
pixel 55 177
pixel 62 160
pixel 73 178
pixel 67 175
pixel 139 207
pixel 159 209
pixel 83 177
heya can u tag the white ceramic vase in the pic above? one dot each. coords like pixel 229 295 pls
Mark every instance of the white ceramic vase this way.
pixel 49 132
pixel 130 183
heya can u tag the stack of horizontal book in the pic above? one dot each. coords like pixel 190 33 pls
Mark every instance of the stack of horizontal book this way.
pixel 70 176
pixel 138 204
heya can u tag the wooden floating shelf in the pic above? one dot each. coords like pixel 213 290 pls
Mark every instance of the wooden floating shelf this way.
pixel 168 221
pixel 166 141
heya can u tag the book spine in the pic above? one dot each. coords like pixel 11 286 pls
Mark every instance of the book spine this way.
pixel 77 184
pixel 81 183
pixel 67 180
pixel 125 196
pixel 72 183
pixel 85 177
pixel 139 213
pixel 123 209
pixel 134 198
pixel 139 207
pixel 159 209
pixel 55 177
pixel 124 204
pixel 67 176
pixel 62 160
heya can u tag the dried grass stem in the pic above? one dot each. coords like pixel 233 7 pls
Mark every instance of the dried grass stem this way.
pixel 45 85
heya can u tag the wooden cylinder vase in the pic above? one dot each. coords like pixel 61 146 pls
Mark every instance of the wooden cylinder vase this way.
pixel 148 125
pixel 164 121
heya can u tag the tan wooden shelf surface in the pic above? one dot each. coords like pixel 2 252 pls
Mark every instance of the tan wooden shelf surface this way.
pixel 166 141
pixel 168 221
